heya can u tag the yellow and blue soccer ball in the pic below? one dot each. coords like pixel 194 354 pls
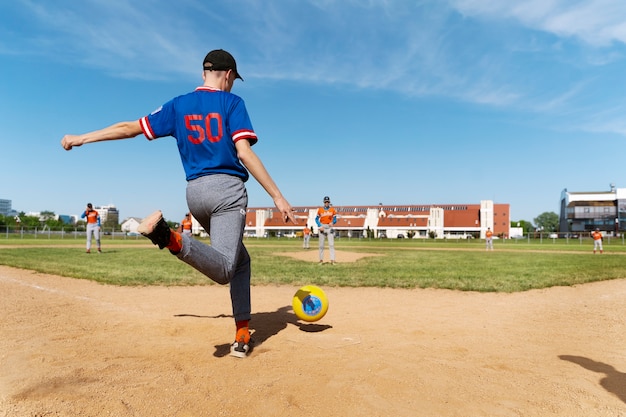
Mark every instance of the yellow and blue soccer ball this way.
pixel 310 303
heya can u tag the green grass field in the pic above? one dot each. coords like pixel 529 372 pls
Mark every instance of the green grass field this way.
pixel 515 265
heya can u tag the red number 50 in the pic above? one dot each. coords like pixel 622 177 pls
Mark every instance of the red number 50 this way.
pixel 201 127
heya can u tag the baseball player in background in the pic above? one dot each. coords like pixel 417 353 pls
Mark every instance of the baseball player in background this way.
pixel 93 226
pixel 306 235
pixel 489 239
pixel 325 219
pixel 185 225
pixel 597 240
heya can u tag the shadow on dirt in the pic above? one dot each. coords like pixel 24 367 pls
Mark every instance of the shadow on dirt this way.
pixel 614 381
pixel 266 325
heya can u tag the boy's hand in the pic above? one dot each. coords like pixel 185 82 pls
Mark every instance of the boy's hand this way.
pixel 69 141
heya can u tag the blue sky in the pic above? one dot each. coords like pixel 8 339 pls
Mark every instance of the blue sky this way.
pixel 390 101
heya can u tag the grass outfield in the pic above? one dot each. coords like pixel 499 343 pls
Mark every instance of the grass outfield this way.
pixel 515 265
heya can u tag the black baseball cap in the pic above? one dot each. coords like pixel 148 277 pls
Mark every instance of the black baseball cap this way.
pixel 327 198
pixel 220 60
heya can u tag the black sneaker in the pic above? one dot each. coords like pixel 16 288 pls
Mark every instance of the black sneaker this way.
pixel 155 228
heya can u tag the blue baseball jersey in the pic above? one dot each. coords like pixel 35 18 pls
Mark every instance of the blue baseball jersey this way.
pixel 206 123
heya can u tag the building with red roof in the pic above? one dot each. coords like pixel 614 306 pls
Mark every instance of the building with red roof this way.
pixel 445 221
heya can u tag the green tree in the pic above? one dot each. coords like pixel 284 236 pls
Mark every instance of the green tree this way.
pixel 547 221
pixel 47 215
pixel 30 222
pixel 50 219
pixel 112 224
pixel 524 224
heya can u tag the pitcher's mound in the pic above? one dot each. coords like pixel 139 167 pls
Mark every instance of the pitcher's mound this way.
pixel 312 255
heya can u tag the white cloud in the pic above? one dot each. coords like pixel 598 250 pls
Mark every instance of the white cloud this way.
pixel 518 54
pixel 605 120
pixel 121 38
pixel 596 22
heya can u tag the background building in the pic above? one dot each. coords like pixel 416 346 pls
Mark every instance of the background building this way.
pixel 108 214
pixel 586 211
pixel 448 221
pixel 130 225
pixel 5 208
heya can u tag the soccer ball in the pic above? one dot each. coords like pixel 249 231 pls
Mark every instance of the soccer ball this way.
pixel 310 303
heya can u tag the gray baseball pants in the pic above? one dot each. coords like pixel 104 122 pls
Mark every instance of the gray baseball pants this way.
pixel 327 232
pixel 219 204
pixel 93 229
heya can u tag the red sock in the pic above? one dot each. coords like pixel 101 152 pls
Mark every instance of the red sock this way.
pixel 176 242
pixel 242 331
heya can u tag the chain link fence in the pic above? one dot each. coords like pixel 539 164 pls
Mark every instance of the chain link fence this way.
pixel 69 233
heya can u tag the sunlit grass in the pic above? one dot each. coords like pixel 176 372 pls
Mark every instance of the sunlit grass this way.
pixel 513 266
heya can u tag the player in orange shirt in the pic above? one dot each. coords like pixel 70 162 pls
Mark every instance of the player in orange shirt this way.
pixel 185 225
pixel 325 219
pixel 489 239
pixel 306 233
pixel 93 226
pixel 597 240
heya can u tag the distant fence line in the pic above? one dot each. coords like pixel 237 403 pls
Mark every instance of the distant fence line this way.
pixel 568 238
pixel 9 232
pixel 65 233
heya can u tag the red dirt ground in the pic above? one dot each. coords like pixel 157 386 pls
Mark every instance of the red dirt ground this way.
pixel 72 347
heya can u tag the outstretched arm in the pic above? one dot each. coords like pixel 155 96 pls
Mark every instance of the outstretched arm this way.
pixel 252 162
pixel 121 130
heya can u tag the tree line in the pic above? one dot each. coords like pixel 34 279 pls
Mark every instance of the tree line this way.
pixel 46 219
pixel 547 221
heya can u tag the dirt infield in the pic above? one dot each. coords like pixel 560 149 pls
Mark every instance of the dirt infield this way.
pixel 340 256
pixel 76 348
